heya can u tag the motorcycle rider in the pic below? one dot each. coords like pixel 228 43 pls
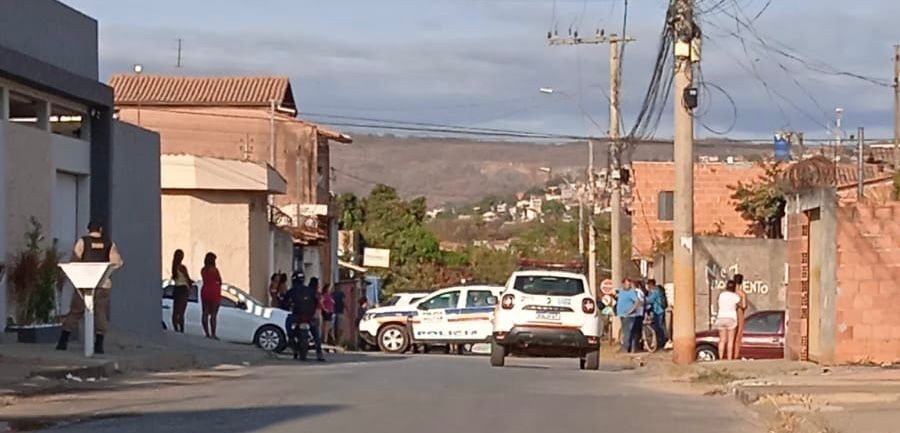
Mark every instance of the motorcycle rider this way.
pixel 304 305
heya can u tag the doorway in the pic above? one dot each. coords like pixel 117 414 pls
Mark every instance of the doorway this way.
pixel 814 332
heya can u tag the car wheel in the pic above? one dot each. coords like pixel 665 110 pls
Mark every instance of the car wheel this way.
pixel 270 338
pixel 393 339
pixel 707 353
pixel 498 355
pixel 592 360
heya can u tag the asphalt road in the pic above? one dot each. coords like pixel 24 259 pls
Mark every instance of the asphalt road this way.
pixel 379 394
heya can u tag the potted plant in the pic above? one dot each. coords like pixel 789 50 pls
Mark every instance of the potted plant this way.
pixel 34 279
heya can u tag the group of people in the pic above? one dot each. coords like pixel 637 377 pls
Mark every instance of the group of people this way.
pixel 330 304
pixel 634 303
pixel 732 305
pixel 210 293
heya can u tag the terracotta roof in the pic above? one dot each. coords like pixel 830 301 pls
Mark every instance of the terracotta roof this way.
pixel 134 89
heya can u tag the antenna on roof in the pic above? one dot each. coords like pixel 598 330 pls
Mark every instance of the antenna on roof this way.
pixel 178 62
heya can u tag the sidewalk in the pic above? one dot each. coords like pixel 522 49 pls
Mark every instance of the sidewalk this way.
pixel 790 396
pixel 27 369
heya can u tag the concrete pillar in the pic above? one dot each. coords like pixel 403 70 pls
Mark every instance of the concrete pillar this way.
pixel 101 168
pixel 4 104
pixel 43 114
pixel 4 115
pixel 86 126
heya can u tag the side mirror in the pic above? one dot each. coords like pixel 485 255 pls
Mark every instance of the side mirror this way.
pixel 242 305
pixel 492 300
pixel 422 306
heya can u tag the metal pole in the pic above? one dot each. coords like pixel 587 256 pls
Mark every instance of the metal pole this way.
pixel 592 231
pixel 581 225
pixel 684 316
pixel 860 163
pixel 88 322
pixel 615 162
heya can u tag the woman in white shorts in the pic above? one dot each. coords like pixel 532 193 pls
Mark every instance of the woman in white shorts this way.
pixel 726 320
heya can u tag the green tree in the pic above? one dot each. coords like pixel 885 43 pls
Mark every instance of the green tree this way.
pixel 761 202
pixel 491 266
pixel 553 209
pixel 351 211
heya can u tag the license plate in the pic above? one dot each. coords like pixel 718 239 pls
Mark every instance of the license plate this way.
pixel 304 326
pixel 547 316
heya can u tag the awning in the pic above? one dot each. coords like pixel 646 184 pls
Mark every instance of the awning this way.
pixel 352 266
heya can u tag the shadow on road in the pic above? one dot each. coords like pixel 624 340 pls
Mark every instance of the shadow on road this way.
pixel 341 358
pixel 237 420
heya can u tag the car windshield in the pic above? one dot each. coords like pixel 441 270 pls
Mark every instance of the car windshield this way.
pixel 242 295
pixel 393 300
pixel 549 286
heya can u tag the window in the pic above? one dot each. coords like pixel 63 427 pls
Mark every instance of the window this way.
pixel 549 286
pixel 444 300
pixel 768 323
pixel 225 302
pixel 666 203
pixel 478 298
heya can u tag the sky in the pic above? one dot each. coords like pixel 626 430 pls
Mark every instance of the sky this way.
pixel 481 62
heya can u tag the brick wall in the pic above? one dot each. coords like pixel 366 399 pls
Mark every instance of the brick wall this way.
pixel 868 274
pixel 797 257
pixel 713 207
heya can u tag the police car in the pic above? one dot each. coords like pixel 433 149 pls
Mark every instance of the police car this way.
pixel 547 313
pixel 455 315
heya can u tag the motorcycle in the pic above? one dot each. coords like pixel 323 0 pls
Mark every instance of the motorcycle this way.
pixel 300 338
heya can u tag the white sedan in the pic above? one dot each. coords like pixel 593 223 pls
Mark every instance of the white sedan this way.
pixel 242 318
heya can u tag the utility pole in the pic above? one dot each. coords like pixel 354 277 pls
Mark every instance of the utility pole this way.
pixel 896 107
pixel 686 37
pixel 839 134
pixel 615 150
pixel 860 163
pixel 592 229
pixel 178 62
pixel 800 145
pixel 615 162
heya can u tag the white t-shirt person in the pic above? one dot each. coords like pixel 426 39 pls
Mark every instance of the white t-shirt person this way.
pixel 727 316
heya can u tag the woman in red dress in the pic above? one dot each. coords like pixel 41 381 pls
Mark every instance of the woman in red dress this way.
pixel 210 295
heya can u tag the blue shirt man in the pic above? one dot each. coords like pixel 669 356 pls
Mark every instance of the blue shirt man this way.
pixel 629 308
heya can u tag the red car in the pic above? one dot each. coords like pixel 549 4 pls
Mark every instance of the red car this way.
pixel 763 338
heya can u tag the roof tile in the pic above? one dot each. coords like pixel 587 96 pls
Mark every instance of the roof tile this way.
pixel 134 89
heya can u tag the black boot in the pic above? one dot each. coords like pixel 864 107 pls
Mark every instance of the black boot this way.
pixel 63 343
pixel 98 344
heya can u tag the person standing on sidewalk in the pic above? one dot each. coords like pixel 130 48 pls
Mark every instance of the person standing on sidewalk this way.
pixel 658 305
pixel 628 309
pixel 327 314
pixel 726 319
pixel 93 248
pixel 741 313
pixel 210 295
pixel 182 283
pixel 305 303
pixel 339 310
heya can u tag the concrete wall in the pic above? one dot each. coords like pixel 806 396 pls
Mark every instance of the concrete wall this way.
pixel 718 259
pixel 713 207
pixel 798 208
pixel 284 252
pixel 136 218
pixel 238 133
pixel 218 221
pixel 52 32
pixel 29 182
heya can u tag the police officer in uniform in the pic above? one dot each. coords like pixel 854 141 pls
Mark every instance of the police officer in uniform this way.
pixel 93 248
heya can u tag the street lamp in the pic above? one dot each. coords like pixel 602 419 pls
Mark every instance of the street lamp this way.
pixel 138 68
pixel 592 232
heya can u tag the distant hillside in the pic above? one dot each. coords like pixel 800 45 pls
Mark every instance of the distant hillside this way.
pixel 462 171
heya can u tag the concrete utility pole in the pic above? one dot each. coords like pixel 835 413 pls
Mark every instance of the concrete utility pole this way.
pixel 615 149
pixel 615 162
pixel 683 321
pixel 839 134
pixel 896 107
pixel 592 229
pixel 861 163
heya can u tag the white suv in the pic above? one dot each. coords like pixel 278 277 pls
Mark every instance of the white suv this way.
pixel 547 313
